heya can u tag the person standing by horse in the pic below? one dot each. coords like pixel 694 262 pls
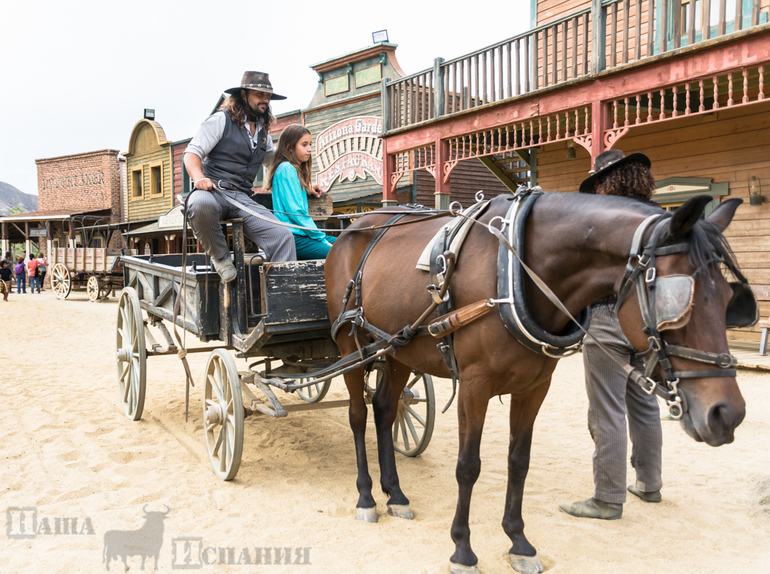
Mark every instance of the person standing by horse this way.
pixel 289 180
pixel 611 394
pixel 227 153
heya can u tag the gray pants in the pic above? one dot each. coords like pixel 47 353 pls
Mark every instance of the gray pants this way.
pixel 611 394
pixel 208 209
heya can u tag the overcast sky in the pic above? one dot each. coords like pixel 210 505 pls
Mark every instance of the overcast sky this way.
pixel 76 75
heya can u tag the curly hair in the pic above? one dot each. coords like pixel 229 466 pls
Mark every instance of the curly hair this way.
pixel 284 151
pixel 630 180
pixel 236 108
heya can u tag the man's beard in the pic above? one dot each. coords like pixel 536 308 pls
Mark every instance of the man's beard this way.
pixel 257 116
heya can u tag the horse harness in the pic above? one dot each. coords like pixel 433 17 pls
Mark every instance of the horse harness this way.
pixel 665 303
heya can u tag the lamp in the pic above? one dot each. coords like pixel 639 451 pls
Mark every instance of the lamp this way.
pixel 149 114
pixel 571 154
pixel 379 36
pixel 755 191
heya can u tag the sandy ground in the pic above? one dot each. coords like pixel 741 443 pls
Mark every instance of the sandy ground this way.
pixel 69 452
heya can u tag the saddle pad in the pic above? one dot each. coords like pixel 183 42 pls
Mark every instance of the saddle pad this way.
pixel 456 228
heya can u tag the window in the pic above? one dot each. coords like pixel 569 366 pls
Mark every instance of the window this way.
pixel 136 183
pixel 156 180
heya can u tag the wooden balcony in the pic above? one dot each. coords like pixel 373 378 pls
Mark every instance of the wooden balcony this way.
pixel 591 43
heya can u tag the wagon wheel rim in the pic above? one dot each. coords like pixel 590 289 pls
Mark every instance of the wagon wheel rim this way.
pixel 94 288
pixel 131 354
pixel 314 392
pixel 223 414
pixel 416 414
pixel 61 281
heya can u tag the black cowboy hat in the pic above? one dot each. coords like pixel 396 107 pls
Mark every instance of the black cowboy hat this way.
pixel 258 81
pixel 608 160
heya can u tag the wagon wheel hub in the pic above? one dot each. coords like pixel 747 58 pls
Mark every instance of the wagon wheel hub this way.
pixel 214 414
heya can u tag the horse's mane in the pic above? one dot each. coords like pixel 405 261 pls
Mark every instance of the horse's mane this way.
pixel 708 246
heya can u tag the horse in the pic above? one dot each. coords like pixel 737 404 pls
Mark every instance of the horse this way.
pixel 579 246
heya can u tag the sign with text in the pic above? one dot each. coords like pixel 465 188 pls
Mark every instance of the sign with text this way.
pixel 349 150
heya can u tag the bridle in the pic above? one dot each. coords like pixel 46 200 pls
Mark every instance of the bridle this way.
pixel 641 272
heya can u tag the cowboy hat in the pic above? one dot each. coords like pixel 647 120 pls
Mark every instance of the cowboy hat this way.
pixel 258 81
pixel 608 160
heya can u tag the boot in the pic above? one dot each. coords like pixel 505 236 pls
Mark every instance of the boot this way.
pixel 653 496
pixel 593 508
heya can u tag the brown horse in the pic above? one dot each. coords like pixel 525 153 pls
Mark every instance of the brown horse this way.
pixel 579 245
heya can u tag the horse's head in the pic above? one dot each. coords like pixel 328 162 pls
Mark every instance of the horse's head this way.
pixel 678 309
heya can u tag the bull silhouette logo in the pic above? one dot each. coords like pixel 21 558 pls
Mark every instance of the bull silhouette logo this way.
pixel 143 542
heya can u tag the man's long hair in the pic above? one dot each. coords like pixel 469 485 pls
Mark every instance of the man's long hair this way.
pixel 236 108
pixel 630 180
pixel 285 152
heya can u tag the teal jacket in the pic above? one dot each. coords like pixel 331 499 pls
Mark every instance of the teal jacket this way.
pixel 290 202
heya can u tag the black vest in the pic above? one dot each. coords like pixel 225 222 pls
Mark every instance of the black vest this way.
pixel 233 160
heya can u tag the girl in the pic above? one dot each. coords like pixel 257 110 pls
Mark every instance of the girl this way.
pixel 289 179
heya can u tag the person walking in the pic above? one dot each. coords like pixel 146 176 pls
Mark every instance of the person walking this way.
pixel 289 180
pixel 611 394
pixel 32 272
pixel 227 152
pixel 5 279
pixel 42 269
pixel 21 275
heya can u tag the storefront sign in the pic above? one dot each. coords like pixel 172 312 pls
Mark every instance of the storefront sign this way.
pixel 80 180
pixel 349 150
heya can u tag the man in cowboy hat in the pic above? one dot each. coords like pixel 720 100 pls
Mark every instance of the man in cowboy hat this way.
pixel 227 152
pixel 611 394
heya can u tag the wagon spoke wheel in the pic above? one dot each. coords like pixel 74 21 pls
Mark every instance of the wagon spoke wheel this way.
pixel 131 354
pixel 223 414
pixel 94 288
pixel 413 427
pixel 61 281
pixel 315 392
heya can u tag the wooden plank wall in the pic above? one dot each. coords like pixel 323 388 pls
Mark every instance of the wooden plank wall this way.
pixel 729 146
pixel 468 177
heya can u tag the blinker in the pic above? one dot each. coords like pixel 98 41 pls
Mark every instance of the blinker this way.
pixel 673 301
pixel 742 310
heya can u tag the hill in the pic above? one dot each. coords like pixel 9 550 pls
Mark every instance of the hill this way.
pixel 11 197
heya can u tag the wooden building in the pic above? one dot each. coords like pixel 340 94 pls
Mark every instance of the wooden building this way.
pixel 684 82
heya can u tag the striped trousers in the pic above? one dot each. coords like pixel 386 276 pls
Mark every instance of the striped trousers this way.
pixel 612 397
pixel 208 209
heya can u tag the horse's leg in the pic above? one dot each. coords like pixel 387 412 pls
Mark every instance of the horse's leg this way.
pixel 366 508
pixel 471 412
pixel 385 406
pixel 524 410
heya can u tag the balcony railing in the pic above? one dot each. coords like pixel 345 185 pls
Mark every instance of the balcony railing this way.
pixel 610 34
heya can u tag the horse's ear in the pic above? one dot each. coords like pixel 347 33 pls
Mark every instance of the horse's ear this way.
pixel 687 215
pixel 724 212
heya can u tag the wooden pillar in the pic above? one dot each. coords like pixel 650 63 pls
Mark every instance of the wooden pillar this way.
pixel 599 121
pixel 443 195
pixel 388 168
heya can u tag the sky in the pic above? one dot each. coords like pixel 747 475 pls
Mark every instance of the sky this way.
pixel 76 75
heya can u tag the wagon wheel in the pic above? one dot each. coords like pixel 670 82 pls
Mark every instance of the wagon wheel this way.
pixel 313 393
pixel 413 427
pixel 61 281
pixel 105 288
pixel 94 288
pixel 132 354
pixel 223 414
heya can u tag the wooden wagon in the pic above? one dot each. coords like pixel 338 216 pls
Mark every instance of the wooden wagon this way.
pixel 274 317
pixel 97 269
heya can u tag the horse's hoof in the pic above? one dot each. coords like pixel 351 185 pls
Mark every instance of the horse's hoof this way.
pixel 367 514
pixel 526 564
pixel 400 511
pixel 455 568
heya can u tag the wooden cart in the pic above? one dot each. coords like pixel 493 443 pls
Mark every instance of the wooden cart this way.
pixel 96 269
pixel 274 316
